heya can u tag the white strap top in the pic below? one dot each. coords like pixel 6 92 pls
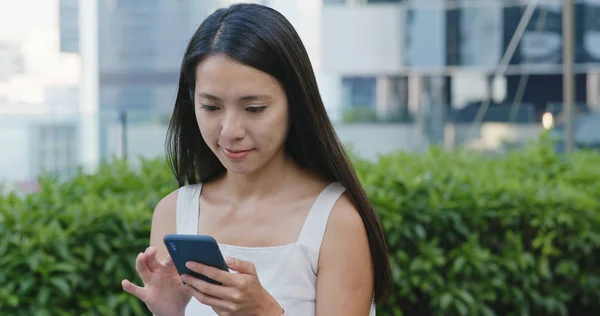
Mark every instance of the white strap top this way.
pixel 288 272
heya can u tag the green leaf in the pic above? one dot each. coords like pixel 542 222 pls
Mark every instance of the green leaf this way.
pixel 43 296
pixel 544 267
pixel 26 284
pixel 109 265
pixel 63 267
pixel 458 264
pixel 61 285
pixel 461 308
pixel 445 301
pixel 34 260
pixel 466 297
pixel 12 300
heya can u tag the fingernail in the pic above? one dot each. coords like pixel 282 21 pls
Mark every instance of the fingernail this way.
pixel 230 260
pixel 189 265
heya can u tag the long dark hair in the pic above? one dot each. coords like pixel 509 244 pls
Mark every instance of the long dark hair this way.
pixel 262 38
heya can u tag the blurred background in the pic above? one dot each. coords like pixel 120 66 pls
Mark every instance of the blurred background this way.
pixel 83 81
pixel 477 120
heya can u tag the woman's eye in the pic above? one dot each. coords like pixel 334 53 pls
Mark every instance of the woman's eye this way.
pixel 210 108
pixel 255 109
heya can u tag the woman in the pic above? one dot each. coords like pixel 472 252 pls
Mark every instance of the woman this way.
pixel 261 170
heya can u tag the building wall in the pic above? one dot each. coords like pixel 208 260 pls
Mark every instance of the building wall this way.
pixel 15 163
pixel 362 49
pixel 368 47
pixel 367 140
pixel 362 40
pixel 11 61
pixel 69 25
pixel 141 45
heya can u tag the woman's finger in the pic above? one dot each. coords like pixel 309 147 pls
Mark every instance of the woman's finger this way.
pixel 168 261
pixel 241 266
pixel 151 260
pixel 213 273
pixel 142 268
pixel 207 299
pixel 133 289
pixel 214 290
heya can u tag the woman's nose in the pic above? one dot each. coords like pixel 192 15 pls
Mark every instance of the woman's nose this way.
pixel 232 127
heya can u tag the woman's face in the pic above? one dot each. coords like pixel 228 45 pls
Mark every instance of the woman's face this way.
pixel 242 113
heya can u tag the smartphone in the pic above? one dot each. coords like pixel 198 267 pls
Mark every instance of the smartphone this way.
pixel 197 248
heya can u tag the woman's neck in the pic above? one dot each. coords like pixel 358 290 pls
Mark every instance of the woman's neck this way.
pixel 263 182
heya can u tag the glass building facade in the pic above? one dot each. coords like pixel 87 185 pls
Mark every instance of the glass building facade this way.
pixel 534 74
pixel 464 41
pixel 140 47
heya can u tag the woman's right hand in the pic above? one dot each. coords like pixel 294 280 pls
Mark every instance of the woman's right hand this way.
pixel 163 291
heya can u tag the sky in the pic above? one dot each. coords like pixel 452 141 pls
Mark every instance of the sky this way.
pixel 20 18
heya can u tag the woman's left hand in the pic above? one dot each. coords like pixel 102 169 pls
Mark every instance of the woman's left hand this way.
pixel 241 294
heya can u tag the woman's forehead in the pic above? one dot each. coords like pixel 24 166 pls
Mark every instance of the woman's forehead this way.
pixel 221 75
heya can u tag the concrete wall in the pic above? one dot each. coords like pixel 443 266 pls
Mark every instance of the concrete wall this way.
pixel 490 135
pixel 17 163
pixel 15 160
pixel 352 35
pixel 368 140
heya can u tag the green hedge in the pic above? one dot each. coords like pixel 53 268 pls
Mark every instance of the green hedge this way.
pixel 474 234
pixel 65 250
pixel 469 234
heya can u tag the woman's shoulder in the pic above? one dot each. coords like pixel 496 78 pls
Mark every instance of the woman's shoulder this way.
pixel 344 217
pixel 168 203
pixel 345 229
pixel 166 206
pixel 164 220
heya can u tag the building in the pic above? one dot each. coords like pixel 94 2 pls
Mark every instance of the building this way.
pixel 131 53
pixel 68 13
pixel 423 61
pixel 396 57
pixel 11 61
pixel 140 45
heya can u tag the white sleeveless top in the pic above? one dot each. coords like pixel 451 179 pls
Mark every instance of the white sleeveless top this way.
pixel 288 272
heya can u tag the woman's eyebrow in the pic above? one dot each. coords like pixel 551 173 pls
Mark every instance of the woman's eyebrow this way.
pixel 247 98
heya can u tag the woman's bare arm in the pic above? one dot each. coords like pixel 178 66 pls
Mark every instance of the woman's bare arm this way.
pixel 345 276
pixel 163 222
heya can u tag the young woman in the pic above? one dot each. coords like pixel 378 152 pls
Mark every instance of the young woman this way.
pixel 261 169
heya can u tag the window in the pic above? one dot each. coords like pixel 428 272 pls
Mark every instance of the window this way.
pixel 136 98
pixel 359 92
pixel 56 149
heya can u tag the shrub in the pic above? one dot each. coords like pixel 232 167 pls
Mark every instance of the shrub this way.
pixel 359 115
pixel 64 250
pixel 473 234
pixel 469 234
